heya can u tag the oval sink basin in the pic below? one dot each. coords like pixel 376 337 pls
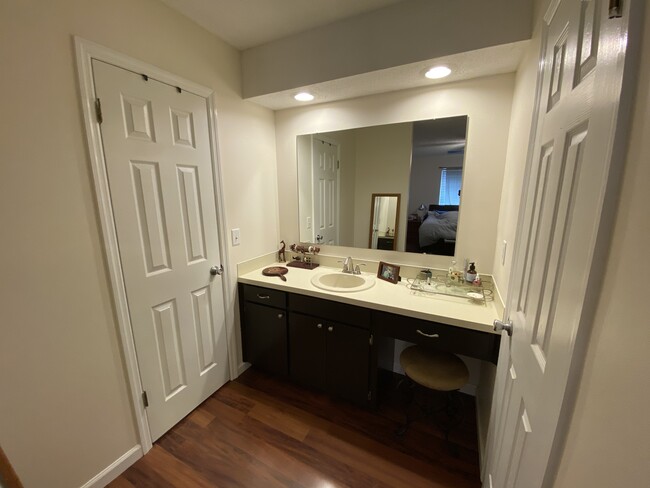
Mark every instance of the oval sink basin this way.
pixel 342 282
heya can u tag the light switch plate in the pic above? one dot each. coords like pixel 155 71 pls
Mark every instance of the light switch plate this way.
pixel 309 222
pixel 234 233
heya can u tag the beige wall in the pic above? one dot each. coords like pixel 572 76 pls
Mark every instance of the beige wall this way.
pixel 608 441
pixel 487 102
pixel 518 138
pixel 383 165
pixel 64 409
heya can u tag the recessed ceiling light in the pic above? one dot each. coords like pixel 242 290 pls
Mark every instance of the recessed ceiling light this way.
pixel 304 97
pixel 438 72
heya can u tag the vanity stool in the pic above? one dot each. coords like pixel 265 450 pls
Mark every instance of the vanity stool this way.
pixel 433 370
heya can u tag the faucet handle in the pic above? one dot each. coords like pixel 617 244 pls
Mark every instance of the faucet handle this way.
pixel 357 269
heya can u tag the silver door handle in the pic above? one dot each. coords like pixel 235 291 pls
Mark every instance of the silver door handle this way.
pixel 427 335
pixel 319 326
pixel 330 329
pixel 216 270
pixel 500 325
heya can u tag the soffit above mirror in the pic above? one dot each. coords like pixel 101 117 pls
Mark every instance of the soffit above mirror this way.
pixel 465 66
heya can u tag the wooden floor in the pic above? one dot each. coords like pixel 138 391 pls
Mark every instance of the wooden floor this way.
pixel 259 431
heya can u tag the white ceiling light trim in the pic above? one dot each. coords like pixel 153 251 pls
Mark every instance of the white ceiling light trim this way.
pixel 304 97
pixel 438 72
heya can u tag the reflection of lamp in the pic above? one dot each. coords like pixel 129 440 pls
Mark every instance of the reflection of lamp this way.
pixel 422 210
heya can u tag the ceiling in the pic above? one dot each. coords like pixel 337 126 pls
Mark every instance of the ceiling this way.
pixel 249 23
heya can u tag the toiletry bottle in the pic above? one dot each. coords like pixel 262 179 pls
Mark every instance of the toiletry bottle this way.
pixel 471 273
pixel 477 280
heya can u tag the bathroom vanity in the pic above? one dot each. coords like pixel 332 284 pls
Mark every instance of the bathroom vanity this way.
pixel 330 340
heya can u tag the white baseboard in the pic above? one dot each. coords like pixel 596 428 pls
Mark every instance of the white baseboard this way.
pixel 116 468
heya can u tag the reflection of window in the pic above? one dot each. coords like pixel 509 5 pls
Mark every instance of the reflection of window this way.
pixel 450 180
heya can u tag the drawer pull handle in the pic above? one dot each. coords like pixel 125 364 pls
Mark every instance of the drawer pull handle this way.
pixel 330 328
pixel 263 297
pixel 319 326
pixel 427 335
pixel 280 315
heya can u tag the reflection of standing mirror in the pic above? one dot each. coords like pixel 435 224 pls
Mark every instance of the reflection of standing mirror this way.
pixel 384 221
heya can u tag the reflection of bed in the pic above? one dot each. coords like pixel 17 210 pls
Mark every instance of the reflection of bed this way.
pixel 437 232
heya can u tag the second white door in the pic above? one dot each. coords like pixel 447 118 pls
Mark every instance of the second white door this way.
pixel 326 191
pixel 159 165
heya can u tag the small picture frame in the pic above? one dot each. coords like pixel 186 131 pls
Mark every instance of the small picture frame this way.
pixel 388 272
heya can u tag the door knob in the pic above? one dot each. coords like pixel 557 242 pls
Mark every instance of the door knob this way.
pixel 500 325
pixel 216 270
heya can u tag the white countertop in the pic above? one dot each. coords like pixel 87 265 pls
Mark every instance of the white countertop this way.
pixel 385 296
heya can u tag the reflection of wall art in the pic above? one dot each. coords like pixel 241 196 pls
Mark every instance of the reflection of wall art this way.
pixel 388 272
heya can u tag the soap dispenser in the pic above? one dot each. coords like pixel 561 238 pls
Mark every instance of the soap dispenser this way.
pixel 471 273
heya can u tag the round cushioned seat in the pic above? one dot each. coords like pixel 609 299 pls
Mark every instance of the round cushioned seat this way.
pixel 436 370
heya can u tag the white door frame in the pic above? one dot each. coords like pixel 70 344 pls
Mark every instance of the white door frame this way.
pixel 86 51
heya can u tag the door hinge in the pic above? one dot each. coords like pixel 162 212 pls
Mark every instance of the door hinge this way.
pixel 338 165
pixel 98 111
pixel 145 399
pixel 615 9
pixel 369 395
pixel 370 340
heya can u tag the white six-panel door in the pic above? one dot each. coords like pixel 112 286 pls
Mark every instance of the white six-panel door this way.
pixel 326 192
pixel 158 160
pixel 583 56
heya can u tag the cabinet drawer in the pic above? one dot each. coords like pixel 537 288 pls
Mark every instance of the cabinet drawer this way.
pixel 329 310
pixel 265 296
pixel 472 343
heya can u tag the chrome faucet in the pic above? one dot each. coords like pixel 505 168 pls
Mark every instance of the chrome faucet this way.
pixel 348 265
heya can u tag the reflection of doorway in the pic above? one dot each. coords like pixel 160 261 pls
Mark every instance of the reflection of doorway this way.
pixel 325 164
pixel 384 220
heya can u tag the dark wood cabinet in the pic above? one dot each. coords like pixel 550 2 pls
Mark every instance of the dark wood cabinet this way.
pixel 307 352
pixel 347 362
pixel 328 345
pixel 331 356
pixel 264 330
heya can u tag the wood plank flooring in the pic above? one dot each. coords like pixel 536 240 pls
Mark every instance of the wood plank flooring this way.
pixel 260 431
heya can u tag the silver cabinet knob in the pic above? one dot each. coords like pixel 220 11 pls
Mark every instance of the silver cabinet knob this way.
pixel 330 329
pixel 216 270
pixel 500 325
pixel 280 315
pixel 319 326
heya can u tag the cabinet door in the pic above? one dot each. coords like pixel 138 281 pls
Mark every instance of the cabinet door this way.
pixel 347 362
pixel 307 350
pixel 265 338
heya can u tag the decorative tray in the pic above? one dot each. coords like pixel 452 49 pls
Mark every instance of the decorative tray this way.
pixel 442 285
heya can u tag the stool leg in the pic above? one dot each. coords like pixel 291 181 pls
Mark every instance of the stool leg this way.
pixel 454 417
pixel 406 389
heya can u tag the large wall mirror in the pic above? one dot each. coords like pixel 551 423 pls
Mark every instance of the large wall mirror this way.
pixel 349 180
